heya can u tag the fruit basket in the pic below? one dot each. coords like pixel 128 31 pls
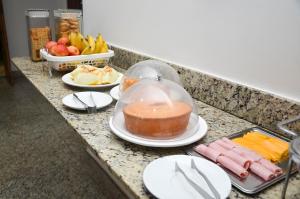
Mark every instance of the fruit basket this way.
pixel 68 63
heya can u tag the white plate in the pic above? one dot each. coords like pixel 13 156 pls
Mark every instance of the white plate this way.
pixel 101 100
pixel 68 80
pixel 163 182
pixel 114 92
pixel 193 135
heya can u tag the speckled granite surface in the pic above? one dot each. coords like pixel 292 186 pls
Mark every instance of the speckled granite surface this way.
pixel 126 161
pixel 256 106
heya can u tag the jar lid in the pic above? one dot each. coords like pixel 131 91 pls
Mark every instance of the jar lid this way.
pixel 37 13
pixel 67 13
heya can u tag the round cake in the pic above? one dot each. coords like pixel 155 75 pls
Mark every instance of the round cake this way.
pixel 157 120
pixel 128 82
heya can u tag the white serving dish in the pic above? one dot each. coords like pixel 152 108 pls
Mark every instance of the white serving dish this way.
pixel 161 179
pixel 191 135
pixel 68 80
pixel 114 92
pixel 101 100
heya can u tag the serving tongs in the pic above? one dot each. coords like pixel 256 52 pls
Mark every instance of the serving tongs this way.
pixel 210 185
pixel 195 185
pixel 90 109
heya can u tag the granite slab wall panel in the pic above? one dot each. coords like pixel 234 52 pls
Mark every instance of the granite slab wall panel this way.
pixel 258 107
pixel 125 59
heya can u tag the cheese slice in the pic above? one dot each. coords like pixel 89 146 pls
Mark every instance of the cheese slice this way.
pixel 254 147
pixel 269 147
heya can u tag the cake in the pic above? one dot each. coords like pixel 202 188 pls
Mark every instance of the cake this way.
pixel 157 120
pixel 128 82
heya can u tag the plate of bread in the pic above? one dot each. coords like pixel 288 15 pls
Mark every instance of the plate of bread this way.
pixel 86 76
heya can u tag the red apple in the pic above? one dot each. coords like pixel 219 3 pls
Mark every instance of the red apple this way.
pixel 51 50
pixel 49 44
pixel 63 41
pixel 59 50
pixel 73 50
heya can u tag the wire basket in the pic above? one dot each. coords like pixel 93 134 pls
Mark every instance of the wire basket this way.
pixel 69 63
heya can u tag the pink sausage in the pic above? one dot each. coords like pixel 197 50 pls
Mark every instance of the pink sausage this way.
pixel 247 154
pixel 224 144
pixel 242 150
pixel 207 152
pixel 217 147
pixel 261 171
pixel 272 167
pixel 232 166
pixel 228 141
pixel 242 161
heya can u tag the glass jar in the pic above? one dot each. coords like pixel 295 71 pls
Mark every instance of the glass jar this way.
pixel 39 32
pixel 67 21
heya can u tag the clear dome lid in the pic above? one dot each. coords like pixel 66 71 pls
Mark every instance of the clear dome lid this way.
pixel 151 69
pixel 156 109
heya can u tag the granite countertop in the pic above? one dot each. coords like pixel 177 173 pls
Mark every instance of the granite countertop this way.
pixel 124 161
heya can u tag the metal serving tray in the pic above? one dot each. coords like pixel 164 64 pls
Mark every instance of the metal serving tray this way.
pixel 253 184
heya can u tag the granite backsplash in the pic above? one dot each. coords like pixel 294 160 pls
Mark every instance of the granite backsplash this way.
pixel 259 107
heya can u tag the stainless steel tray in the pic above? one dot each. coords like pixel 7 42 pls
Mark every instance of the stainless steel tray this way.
pixel 253 184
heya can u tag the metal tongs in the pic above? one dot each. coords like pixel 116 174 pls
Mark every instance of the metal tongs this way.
pixel 195 185
pixel 90 109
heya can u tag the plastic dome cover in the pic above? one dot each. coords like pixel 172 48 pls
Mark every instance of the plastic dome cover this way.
pixel 148 69
pixel 156 109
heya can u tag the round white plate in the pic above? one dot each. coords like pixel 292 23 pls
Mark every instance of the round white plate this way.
pixel 101 100
pixel 114 92
pixel 68 80
pixel 193 135
pixel 162 181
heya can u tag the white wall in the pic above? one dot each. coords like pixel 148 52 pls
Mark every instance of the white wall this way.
pixel 16 27
pixel 252 42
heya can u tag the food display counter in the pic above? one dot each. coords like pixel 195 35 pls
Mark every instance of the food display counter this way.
pixel 124 161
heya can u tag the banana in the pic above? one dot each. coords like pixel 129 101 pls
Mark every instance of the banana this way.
pixel 98 44
pixel 104 48
pixel 72 38
pixel 91 42
pixel 89 45
pixel 75 40
pixel 84 43
pixel 81 42
pixel 88 50
pixel 78 42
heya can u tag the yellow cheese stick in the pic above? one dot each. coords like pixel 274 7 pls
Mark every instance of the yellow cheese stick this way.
pixel 275 152
pixel 269 147
pixel 274 145
pixel 256 135
pixel 251 146
pixel 283 144
pixel 272 148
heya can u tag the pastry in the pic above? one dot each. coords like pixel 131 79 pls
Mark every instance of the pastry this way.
pixel 90 75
